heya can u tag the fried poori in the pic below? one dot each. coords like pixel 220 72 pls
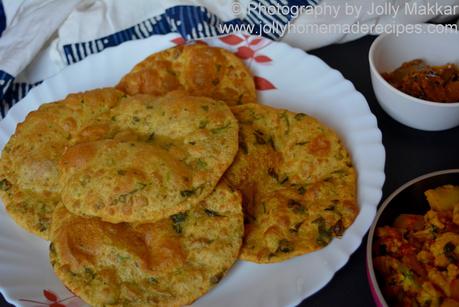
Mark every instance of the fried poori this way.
pixel 166 155
pixel 29 185
pixel 198 69
pixel 297 181
pixel 170 262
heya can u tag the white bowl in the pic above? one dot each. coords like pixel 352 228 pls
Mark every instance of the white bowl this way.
pixel 389 51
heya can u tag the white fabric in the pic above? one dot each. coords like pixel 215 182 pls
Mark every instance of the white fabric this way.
pixel 37 29
pixel 11 7
pixel 29 29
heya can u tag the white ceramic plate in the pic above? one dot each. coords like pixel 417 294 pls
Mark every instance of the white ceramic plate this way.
pixel 286 78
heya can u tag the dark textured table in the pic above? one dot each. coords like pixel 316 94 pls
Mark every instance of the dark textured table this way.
pixel 409 153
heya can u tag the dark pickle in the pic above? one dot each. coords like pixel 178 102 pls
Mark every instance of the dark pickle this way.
pixel 433 83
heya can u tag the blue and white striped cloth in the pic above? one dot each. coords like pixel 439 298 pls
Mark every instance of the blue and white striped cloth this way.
pixel 190 21
pixel 38 38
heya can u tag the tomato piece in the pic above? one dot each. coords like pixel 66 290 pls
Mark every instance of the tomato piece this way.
pixel 387 231
pixel 409 222
pixel 411 262
pixel 408 249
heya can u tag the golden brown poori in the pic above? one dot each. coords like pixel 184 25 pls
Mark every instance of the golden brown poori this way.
pixel 171 262
pixel 297 181
pixel 198 69
pixel 29 176
pixel 166 155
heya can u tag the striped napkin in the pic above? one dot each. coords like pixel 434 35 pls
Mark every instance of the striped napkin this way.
pixel 38 38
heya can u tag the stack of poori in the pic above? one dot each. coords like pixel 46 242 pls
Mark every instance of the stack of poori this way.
pixel 150 191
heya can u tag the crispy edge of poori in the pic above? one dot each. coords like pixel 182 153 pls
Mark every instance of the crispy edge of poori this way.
pixel 170 68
